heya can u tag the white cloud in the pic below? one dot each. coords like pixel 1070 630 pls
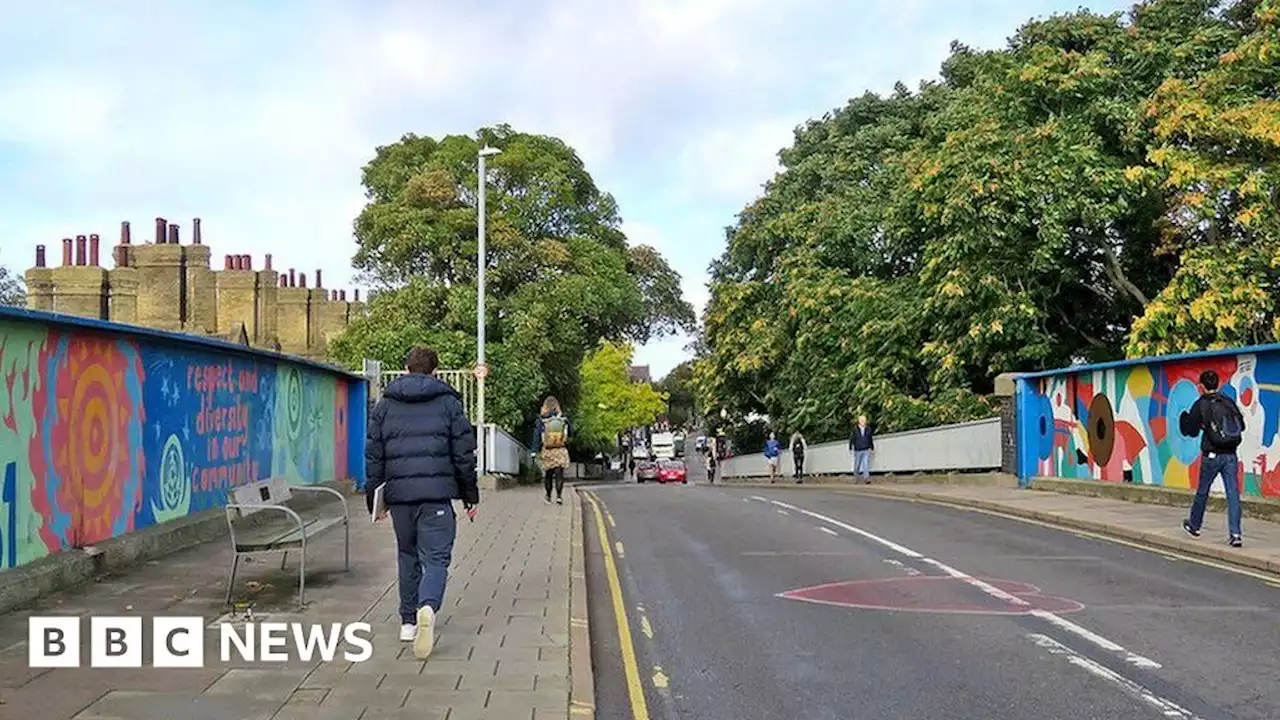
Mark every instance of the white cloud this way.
pixel 734 163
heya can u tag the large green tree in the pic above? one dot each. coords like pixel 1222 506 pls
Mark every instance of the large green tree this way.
pixel 681 401
pixel 560 274
pixel 1063 198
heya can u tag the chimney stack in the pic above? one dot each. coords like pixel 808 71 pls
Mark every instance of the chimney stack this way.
pixel 357 293
pixel 267 260
pixel 319 283
pixel 94 245
pixel 248 262
pixel 293 280
pixel 173 234
pixel 195 232
pixel 302 280
pixel 66 251
pixel 126 236
pixel 81 243
pixel 161 231
pixel 284 281
pixel 342 295
pixel 227 262
pixel 40 256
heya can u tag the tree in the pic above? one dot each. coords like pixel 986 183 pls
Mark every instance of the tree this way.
pixel 1039 204
pixel 610 403
pixel 560 276
pixel 12 291
pixel 1218 140
pixel 678 387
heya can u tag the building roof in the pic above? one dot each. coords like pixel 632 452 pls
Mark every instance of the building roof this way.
pixel 640 374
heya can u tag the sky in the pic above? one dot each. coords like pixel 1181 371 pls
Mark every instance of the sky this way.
pixel 257 116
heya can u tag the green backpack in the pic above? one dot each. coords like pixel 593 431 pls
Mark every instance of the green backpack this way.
pixel 555 432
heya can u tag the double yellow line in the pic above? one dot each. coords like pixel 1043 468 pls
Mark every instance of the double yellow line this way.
pixel 635 688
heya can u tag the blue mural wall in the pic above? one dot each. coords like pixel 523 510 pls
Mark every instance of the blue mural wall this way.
pixel 108 428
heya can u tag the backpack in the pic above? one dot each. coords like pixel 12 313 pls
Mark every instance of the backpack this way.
pixel 797 447
pixel 555 432
pixel 1224 424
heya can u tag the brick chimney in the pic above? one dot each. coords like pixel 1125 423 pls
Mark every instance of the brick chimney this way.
pixel 293 279
pixel 40 259
pixel 302 280
pixel 95 243
pixel 267 260
pixel 284 281
pixel 126 235
pixel 195 232
pixel 357 294
pixel 173 234
pixel 162 231
pixel 319 283
pixel 66 251
pixel 248 262
pixel 81 246
pixel 228 262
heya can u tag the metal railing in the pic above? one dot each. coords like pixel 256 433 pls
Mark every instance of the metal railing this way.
pixel 461 380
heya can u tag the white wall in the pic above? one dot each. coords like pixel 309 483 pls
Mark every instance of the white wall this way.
pixel 504 453
pixel 964 446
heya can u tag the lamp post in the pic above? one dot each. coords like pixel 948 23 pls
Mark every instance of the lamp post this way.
pixel 481 258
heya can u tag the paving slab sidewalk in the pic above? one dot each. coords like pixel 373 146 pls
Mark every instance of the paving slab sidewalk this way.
pixel 1159 526
pixel 502 646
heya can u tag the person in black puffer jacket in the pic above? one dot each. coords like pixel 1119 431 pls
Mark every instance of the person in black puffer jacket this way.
pixel 422 450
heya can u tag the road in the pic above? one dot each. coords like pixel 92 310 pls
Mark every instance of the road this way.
pixel 911 611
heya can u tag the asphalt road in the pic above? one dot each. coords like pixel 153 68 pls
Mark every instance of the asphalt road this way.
pixel 916 611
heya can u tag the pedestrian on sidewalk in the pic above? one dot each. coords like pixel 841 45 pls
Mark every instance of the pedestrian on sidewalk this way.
pixel 421 450
pixel 772 450
pixel 1222 424
pixel 861 444
pixel 551 442
pixel 711 460
pixel 798 448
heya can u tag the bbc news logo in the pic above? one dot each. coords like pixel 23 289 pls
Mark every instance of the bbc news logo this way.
pixel 178 642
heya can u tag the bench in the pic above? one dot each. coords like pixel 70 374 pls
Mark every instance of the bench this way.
pixel 261 520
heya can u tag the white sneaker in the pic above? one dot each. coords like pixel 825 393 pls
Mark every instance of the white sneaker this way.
pixel 408 632
pixel 425 637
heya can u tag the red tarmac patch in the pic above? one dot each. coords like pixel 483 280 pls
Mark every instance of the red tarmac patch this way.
pixel 932 594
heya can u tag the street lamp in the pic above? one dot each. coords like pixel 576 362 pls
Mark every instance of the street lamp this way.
pixel 481 257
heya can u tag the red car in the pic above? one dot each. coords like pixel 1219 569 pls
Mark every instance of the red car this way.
pixel 673 471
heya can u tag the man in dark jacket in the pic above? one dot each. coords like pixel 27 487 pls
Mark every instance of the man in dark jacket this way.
pixel 861 444
pixel 421 447
pixel 1222 424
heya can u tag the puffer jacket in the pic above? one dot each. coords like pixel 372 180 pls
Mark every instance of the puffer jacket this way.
pixel 420 444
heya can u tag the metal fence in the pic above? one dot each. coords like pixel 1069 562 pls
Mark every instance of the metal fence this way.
pixel 963 446
pixel 461 380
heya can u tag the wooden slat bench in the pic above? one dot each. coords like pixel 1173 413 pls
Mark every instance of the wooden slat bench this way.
pixel 289 529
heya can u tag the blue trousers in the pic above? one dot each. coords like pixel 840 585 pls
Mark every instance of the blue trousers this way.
pixel 424 549
pixel 1228 466
pixel 862 463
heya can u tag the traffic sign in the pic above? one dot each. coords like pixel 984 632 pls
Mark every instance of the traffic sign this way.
pixel 481 372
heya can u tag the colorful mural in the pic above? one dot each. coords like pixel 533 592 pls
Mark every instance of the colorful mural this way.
pixel 104 431
pixel 1121 424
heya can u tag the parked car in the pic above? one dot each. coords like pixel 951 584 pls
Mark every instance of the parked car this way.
pixel 646 470
pixel 700 445
pixel 673 471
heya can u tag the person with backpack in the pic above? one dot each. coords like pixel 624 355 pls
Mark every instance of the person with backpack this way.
pixel 1222 424
pixel 551 442
pixel 798 448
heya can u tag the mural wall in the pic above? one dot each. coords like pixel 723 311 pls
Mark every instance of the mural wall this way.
pixel 1121 424
pixel 104 431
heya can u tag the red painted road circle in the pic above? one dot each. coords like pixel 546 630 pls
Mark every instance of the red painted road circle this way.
pixel 932 594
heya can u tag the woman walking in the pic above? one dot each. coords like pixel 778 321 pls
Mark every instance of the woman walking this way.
pixel 551 442
pixel 798 448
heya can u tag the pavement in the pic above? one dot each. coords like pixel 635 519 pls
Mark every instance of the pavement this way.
pixel 765 602
pixel 502 643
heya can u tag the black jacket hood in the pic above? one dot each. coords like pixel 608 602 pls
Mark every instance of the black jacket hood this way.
pixel 413 388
